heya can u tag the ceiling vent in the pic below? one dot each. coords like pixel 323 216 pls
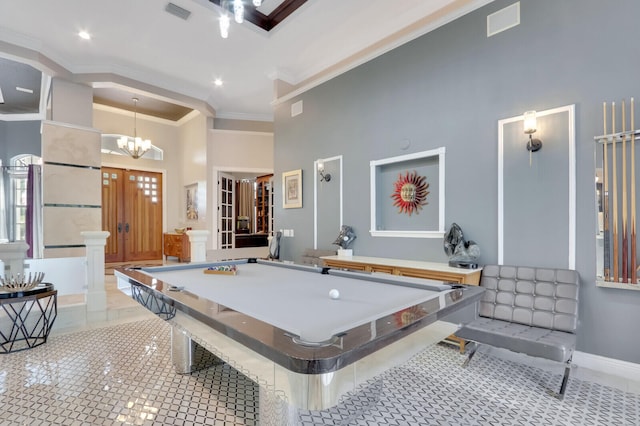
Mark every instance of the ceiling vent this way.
pixel 177 11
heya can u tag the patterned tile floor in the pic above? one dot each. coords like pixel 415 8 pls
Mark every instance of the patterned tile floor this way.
pixel 122 375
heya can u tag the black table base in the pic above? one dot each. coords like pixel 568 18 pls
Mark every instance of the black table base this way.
pixel 26 317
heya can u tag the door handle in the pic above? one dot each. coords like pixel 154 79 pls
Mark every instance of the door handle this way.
pixel 119 228
pixel 126 227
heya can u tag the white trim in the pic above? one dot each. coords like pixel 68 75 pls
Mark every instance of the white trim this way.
pixel 22 117
pixel 439 233
pixel 45 93
pixel 441 191
pixel 278 74
pixel 315 196
pixel 407 157
pixel 315 205
pixel 572 187
pixel 570 110
pixel 71 126
pixel 612 284
pixel 218 191
pixel 616 367
pixel 500 192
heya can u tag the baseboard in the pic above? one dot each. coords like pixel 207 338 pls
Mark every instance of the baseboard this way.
pixel 616 367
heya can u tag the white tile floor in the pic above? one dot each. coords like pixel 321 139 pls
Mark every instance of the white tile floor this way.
pixel 617 382
pixel 120 373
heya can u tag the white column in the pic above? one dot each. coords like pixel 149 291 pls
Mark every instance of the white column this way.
pixel 13 255
pixel 198 241
pixel 96 293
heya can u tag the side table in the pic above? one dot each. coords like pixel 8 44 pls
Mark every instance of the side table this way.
pixel 26 317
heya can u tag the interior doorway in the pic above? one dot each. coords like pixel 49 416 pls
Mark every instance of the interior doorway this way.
pixel 226 213
pixel 132 213
pixel 244 208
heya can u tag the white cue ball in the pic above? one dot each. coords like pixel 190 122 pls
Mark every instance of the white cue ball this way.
pixel 334 294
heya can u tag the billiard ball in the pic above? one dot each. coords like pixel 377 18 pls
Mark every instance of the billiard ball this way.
pixel 334 294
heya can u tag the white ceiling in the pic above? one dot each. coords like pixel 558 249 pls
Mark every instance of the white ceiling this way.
pixel 137 43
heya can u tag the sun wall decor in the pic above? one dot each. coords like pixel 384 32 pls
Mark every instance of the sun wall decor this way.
pixel 410 193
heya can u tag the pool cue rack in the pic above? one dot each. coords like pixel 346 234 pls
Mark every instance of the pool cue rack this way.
pixel 616 200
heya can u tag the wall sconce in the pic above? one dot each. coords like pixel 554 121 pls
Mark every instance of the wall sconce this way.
pixel 530 127
pixel 324 177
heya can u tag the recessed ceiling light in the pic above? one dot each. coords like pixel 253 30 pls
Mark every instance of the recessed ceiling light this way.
pixel 84 35
pixel 217 82
pixel 22 89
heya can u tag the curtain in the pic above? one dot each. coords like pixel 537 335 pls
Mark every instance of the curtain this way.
pixel 34 212
pixel 4 236
pixel 245 201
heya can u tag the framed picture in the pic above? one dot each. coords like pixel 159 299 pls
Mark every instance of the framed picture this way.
pixel 292 189
pixel 191 202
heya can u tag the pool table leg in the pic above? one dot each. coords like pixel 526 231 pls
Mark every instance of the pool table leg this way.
pixel 188 356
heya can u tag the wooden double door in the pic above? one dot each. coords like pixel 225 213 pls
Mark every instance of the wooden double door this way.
pixel 132 213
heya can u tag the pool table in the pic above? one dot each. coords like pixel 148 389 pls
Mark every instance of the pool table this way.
pixel 276 323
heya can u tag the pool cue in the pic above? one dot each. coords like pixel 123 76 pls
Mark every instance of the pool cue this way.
pixel 625 238
pixel 605 200
pixel 634 261
pixel 616 275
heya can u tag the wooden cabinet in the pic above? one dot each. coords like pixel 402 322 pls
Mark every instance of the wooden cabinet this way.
pixel 406 268
pixel 177 245
pixel 409 268
pixel 264 186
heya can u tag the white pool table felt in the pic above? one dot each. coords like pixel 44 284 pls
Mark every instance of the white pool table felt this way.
pixel 297 301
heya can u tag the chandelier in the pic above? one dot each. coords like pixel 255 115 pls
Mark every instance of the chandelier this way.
pixel 237 7
pixel 136 147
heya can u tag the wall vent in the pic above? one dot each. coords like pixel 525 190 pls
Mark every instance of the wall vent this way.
pixel 176 10
pixel 296 108
pixel 503 19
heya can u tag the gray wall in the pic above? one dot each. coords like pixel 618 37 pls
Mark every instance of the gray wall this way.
pixel 450 88
pixel 19 137
pixel 245 125
pixel 71 102
pixel 3 140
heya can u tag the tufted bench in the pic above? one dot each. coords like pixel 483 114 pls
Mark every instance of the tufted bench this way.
pixel 533 311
